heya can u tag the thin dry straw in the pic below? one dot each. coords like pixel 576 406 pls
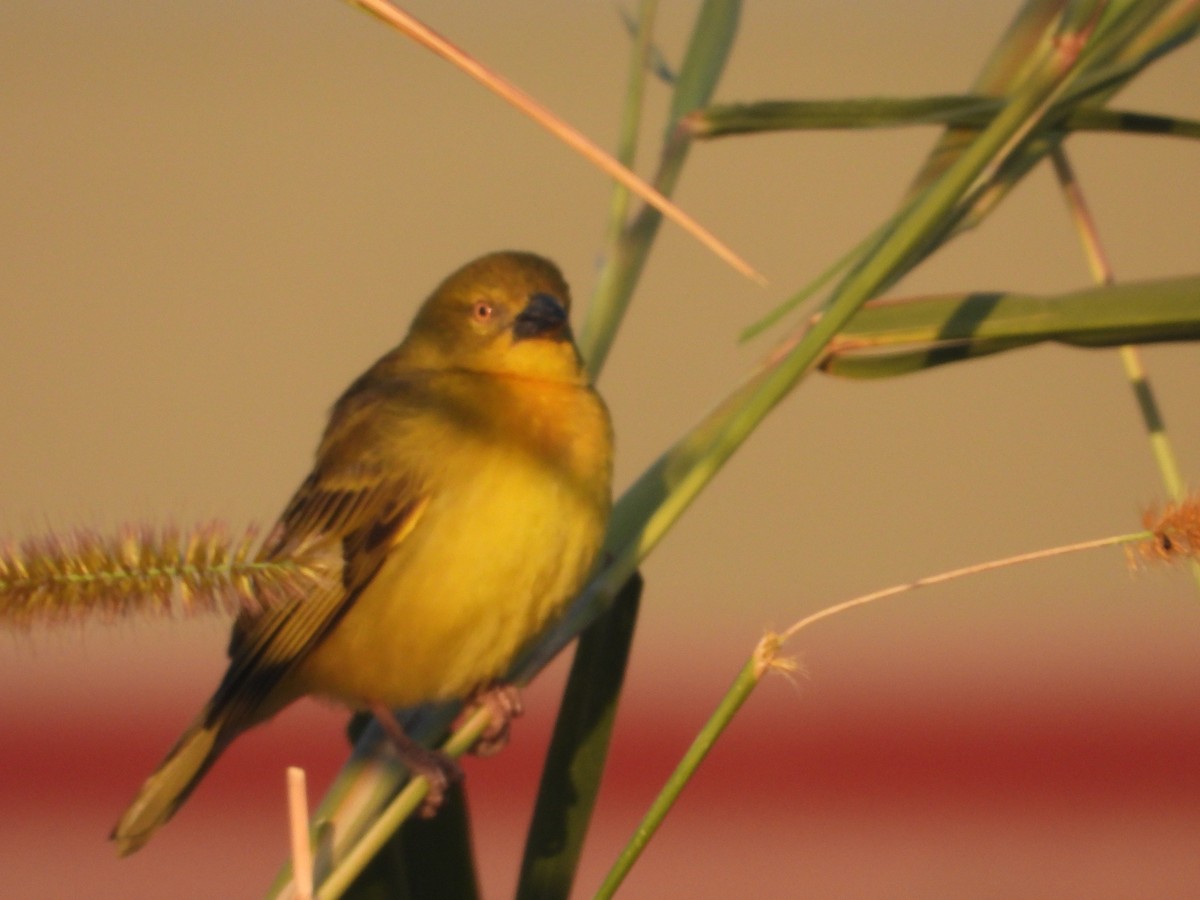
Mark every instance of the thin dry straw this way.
pixel 431 40
pixel 302 861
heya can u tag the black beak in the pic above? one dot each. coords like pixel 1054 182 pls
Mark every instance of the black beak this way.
pixel 543 316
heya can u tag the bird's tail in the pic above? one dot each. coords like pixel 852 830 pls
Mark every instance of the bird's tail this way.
pixel 172 782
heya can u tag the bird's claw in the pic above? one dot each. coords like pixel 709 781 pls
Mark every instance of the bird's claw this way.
pixel 438 769
pixel 503 703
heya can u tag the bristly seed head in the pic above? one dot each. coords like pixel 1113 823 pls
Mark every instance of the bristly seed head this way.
pixel 1176 533
pixel 142 570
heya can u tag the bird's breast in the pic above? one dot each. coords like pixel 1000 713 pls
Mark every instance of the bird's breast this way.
pixel 511 528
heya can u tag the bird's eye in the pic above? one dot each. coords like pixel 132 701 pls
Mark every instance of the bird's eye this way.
pixel 482 310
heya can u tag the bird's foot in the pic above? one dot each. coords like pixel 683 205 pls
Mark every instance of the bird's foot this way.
pixel 438 769
pixel 503 703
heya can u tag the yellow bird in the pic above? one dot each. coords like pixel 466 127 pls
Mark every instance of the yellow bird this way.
pixel 465 482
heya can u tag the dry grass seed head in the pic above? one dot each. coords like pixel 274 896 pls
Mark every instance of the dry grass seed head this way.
pixel 1175 533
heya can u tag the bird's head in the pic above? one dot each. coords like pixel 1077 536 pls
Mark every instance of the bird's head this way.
pixel 505 313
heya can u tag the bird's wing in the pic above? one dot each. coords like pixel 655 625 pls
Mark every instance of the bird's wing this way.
pixel 360 501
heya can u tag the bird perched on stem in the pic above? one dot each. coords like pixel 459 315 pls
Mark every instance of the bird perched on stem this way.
pixel 464 481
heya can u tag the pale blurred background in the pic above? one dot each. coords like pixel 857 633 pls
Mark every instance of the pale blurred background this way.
pixel 215 215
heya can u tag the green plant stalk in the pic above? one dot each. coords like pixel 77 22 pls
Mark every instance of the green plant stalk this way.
pixel 1177 23
pixel 1027 40
pixel 1156 428
pixel 766 657
pixel 377 834
pixel 746 681
pixel 1094 37
pixel 704 62
pixel 424 858
pixel 927 219
pixel 631 115
pixel 968 111
pixel 1102 274
pixel 615 283
pixel 619 278
pixel 1130 35
pixel 578 750
pixel 707 54
pixel 1131 361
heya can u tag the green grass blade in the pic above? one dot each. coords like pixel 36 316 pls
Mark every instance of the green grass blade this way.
pixel 971 112
pixel 655 61
pixel 614 287
pixel 707 53
pixel 578 749
pixel 896 337
pixel 1130 36
pixel 867 112
pixel 1026 40
pixel 631 115
pixel 930 215
pixel 743 686
pixel 713 34
pixel 1130 122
